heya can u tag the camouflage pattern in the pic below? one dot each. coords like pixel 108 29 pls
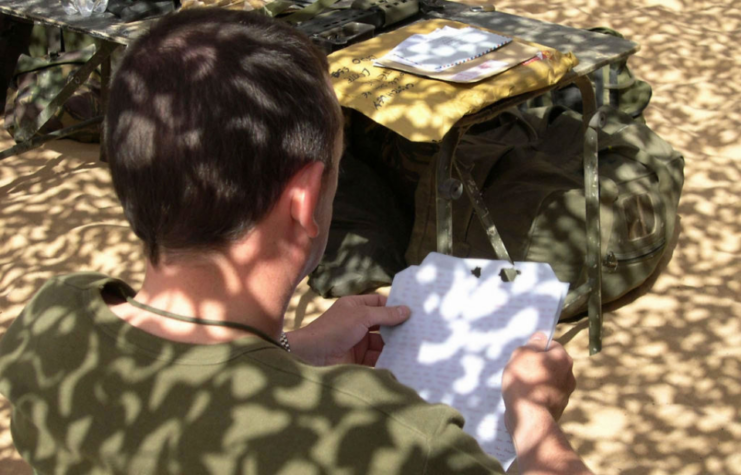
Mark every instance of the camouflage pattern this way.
pixel 529 170
pixel 401 162
pixel 624 91
pixel 38 80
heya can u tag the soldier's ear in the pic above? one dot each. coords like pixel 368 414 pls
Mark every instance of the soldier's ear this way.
pixel 305 193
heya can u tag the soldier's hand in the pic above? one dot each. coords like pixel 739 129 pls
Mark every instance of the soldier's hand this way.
pixel 344 333
pixel 537 379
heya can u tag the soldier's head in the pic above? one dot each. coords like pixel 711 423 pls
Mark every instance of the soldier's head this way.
pixel 210 116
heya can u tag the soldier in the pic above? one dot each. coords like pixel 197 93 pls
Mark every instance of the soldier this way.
pixel 224 138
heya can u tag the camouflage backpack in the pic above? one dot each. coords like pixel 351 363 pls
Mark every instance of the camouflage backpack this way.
pixel 614 84
pixel 529 169
pixel 38 80
pixel 373 209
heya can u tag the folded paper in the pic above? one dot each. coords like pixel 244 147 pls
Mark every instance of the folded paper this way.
pixel 465 324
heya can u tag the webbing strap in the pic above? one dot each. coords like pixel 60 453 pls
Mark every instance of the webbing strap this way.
pixel 275 8
pixel 307 13
pixel 605 81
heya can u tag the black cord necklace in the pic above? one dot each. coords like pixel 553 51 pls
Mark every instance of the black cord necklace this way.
pixel 218 323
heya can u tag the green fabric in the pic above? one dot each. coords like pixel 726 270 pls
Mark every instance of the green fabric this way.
pixel 37 82
pixel 529 168
pixel 614 84
pixel 309 12
pixel 39 46
pixel 93 395
pixel 274 8
pixel 368 235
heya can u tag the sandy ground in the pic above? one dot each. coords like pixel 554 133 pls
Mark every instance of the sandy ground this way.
pixel 664 395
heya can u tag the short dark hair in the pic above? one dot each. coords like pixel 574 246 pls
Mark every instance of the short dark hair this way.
pixel 209 116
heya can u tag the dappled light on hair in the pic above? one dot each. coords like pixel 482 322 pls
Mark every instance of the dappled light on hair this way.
pixel 139 137
pixel 163 108
pixel 252 125
pixel 191 139
pixel 203 61
pixel 228 95
pixel 136 88
pixel 262 100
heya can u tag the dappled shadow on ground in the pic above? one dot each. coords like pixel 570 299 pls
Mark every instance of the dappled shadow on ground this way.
pixel 664 394
pixel 59 215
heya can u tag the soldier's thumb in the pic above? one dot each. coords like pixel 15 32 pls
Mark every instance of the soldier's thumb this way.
pixel 537 342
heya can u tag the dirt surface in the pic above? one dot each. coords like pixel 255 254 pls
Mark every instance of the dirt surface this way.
pixel 664 395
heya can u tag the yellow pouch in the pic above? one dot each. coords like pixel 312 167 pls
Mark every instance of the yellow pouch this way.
pixel 422 109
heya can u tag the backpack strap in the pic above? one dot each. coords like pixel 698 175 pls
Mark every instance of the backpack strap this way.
pixel 309 12
pixel 28 64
